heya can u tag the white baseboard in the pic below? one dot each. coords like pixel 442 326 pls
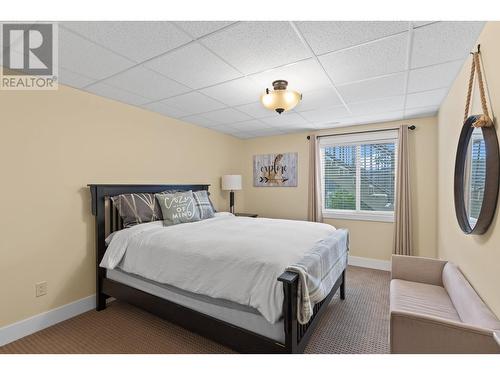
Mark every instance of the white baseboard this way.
pixel 38 322
pixel 378 264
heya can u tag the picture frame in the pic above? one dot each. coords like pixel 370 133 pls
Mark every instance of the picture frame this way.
pixel 275 170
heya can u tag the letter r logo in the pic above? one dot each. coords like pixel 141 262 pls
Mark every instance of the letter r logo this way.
pixel 28 49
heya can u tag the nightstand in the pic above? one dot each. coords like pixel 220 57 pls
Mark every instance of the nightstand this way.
pixel 245 215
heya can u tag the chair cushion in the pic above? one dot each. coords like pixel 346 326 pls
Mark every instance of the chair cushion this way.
pixel 470 307
pixel 419 298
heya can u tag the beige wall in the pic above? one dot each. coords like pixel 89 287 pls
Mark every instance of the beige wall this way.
pixel 477 256
pixel 368 238
pixel 52 145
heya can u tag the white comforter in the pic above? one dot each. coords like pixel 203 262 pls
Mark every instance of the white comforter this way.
pixel 234 258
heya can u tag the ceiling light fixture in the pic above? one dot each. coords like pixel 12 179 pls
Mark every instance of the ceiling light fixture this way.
pixel 280 99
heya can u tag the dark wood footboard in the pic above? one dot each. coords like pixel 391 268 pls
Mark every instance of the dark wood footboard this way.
pixel 296 335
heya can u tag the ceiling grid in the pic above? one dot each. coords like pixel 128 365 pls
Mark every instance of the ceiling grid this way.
pixel 212 73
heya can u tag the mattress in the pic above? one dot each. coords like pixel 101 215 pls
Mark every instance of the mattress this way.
pixel 236 314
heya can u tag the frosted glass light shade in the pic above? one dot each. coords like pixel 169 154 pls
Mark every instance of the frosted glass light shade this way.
pixel 231 182
pixel 281 99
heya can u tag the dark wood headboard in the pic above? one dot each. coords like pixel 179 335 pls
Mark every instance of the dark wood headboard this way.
pixel 106 218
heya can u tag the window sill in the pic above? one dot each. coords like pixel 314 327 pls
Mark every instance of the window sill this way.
pixel 361 216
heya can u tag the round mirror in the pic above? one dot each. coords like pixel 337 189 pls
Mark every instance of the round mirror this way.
pixel 477 168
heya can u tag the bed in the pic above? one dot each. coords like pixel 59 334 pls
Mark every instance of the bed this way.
pixel 233 297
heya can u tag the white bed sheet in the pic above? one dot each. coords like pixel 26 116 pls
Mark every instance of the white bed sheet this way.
pixel 233 258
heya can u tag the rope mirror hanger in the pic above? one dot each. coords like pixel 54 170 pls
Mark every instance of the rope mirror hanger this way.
pixel 484 120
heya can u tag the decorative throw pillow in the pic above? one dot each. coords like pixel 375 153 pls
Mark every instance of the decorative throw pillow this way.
pixel 211 203
pixel 203 204
pixel 170 191
pixel 137 208
pixel 178 207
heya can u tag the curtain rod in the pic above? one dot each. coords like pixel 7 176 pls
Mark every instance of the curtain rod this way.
pixel 410 127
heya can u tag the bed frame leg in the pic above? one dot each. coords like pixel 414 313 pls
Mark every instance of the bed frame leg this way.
pixel 100 301
pixel 342 286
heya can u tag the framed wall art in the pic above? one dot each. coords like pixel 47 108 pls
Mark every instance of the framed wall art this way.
pixel 275 169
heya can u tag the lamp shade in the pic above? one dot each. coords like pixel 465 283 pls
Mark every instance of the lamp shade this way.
pixel 280 99
pixel 231 182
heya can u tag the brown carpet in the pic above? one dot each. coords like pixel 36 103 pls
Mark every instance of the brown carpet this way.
pixel 359 324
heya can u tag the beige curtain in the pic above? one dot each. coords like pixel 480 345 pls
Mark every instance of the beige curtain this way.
pixel 403 241
pixel 314 189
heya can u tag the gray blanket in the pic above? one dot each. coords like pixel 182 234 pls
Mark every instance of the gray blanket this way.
pixel 318 270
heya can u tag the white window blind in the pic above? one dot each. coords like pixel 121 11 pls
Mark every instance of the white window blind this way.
pixel 358 175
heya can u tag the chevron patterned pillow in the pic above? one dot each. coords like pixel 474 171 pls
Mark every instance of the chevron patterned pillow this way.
pixel 137 208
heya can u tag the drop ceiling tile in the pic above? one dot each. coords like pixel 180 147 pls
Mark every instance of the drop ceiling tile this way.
pixel 256 110
pixel 372 89
pixel 426 98
pixel 302 76
pixel 326 125
pixel 250 125
pixel 86 58
pixel 166 110
pixel 316 99
pixel 199 120
pixel 193 65
pixel 199 28
pixel 375 59
pixel 285 119
pixel 433 77
pixel 69 78
pixel 444 41
pixel 193 103
pixel 421 112
pixel 327 36
pixel 226 129
pixel 146 83
pixel 136 40
pixel 325 114
pixel 110 92
pixel 226 116
pixel 373 119
pixel 268 132
pixel 421 23
pixel 296 128
pixel 236 92
pixel 390 104
pixel 256 46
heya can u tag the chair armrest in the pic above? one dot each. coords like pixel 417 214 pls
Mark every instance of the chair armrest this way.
pixel 423 334
pixel 418 269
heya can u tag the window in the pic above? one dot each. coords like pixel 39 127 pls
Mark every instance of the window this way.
pixel 358 175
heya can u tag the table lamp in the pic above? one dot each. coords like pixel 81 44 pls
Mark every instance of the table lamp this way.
pixel 231 182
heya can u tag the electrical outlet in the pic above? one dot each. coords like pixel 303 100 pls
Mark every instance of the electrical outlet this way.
pixel 41 288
